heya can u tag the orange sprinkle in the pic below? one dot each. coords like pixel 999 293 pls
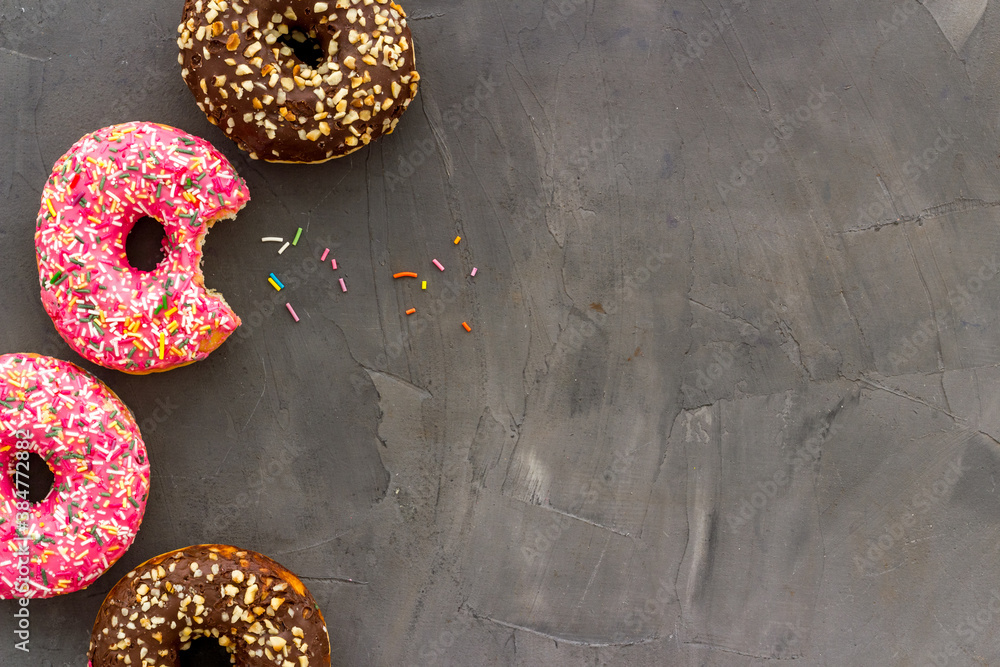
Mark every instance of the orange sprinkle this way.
pixel 405 274
pixel 465 325
pixel 411 311
pixel 457 239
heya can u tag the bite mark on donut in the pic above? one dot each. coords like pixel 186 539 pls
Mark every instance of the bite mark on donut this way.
pixel 118 317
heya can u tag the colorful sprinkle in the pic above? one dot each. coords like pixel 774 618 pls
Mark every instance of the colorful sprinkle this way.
pixel 275 278
pixel 423 285
pixel 325 253
pixel 465 325
pixel 284 247
pixel 411 311
pixel 295 241
pixel 272 239
pixel 457 239
pixel 404 274
pixel 274 284
pixel 92 443
pixel 343 286
pixel 474 271
pixel 333 263
pixel 438 264
pixel 107 311
pixel 292 311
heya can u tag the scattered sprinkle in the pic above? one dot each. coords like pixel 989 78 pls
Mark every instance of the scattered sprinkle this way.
pixel 404 274
pixel 284 247
pixel 465 325
pixel 457 239
pixel 342 285
pixel 474 271
pixel 423 285
pixel 274 284
pixel 272 239
pixel 292 311
pixel 295 241
pixel 325 253
pixel 275 279
pixel 438 264
pixel 411 311
pixel 333 263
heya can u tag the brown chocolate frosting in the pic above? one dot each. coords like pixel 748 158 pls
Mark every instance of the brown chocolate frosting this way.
pixel 280 109
pixel 258 610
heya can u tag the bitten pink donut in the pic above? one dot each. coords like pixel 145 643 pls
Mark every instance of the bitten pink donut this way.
pixel 92 444
pixel 109 312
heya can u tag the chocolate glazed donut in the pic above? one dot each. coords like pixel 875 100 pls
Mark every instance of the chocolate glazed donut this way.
pixel 276 107
pixel 259 611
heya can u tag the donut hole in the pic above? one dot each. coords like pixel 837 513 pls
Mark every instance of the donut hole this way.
pixel 205 652
pixel 40 478
pixel 305 47
pixel 145 244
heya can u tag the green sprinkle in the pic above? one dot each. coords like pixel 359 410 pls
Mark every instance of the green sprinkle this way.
pixel 185 150
pixel 295 241
pixel 58 277
pixel 132 500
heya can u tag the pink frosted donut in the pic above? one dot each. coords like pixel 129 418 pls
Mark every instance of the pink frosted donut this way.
pixel 92 444
pixel 109 312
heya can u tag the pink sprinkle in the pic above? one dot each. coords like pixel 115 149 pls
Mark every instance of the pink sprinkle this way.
pixel 438 264
pixel 292 311
pixel 325 253
pixel 333 263
pixel 342 285
pixel 474 271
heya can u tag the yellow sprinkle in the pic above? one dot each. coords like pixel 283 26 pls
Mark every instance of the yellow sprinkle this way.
pixel 52 210
pixel 457 239
pixel 170 312
pixel 423 285
pixel 274 284
pixel 163 342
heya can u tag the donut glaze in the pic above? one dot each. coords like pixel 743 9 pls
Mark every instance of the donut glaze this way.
pixel 259 611
pixel 109 312
pixel 92 444
pixel 281 109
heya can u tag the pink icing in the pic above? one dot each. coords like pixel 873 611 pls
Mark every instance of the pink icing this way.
pixel 91 442
pixel 108 311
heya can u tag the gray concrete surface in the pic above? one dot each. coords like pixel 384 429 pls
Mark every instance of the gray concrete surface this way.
pixel 731 392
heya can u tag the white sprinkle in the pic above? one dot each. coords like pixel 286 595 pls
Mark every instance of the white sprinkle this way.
pixel 274 239
pixel 284 247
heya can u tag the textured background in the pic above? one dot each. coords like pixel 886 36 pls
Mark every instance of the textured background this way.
pixel 730 396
